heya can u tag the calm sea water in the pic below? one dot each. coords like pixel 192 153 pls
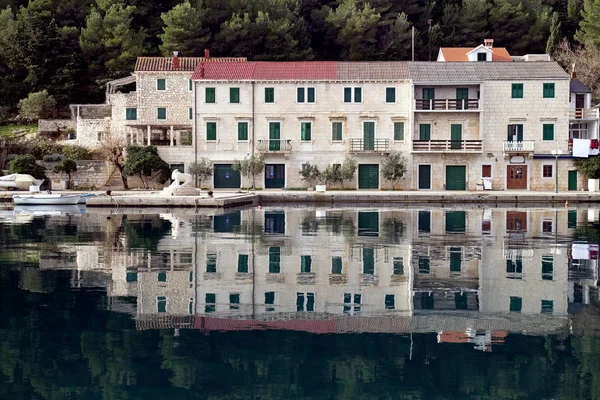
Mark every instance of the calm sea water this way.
pixel 300 303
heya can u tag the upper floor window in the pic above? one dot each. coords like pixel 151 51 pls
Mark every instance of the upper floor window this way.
pixel 209 95
pixel 191 113
pixel 243 130
pixel 390 95
pixel 548 90
pixel 161 84
pixel 481 56
pixel 352 95
pixel 211 131
pixel 305 130
pixel 517 90
pixel 161 113
pixel 190 85
pixel 336 130
pixel 131 114
pixel 547 171
pixel 234 95
pixel 398 130
pixel 305 95
pixel 269 95
pixel 548 132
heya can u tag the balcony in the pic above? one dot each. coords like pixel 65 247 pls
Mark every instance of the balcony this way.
pixel 447 146
pixel 274 146
pixel 584 113
pixel 524 146
pixel 369 146
pixel 447 104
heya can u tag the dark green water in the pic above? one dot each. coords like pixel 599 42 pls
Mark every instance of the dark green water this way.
pixel 452 304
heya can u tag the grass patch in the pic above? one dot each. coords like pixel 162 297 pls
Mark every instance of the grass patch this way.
pixel 10 131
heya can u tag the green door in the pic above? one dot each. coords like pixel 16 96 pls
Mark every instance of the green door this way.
pixel 573 180
pixel 368 223
pixel 424 131
pixel 428 94
pixel 226 177
pixel 456 136
pixel 368 176
pixel 274 136
pixel 456 177
pixel 274 176
pixel 369 135
pixel 424 176
pixel 462 94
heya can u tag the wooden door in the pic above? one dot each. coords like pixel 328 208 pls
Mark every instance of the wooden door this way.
pixel 516 177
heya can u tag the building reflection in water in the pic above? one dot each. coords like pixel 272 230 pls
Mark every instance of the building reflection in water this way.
pixel 470 275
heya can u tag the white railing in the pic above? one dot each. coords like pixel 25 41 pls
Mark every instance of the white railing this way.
pixel 518 146
pixel 583 113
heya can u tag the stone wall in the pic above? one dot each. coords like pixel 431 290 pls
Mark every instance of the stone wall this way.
pixel 89 174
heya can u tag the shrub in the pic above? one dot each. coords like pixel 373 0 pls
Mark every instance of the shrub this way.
pixel 26 164
pixel 250 167
pixel 40 148
pixel 66 166
pixel 310 173
pixel 74 152
pixel 53 158
pixel 589 167
pixel 37 105
pixel 201 170
pixel 393 168
pixel 146 163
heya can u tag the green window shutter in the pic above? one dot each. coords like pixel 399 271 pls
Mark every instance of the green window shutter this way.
pixel 390 301
pixel 390 95
pixel 336 265
pixel 398 130
pixel 210 298
pixel 162 276
pixel 424 132
pixel 191 113
pixel 305 263
pixel 161 304
pixel 548 90
pixel 211 262
pixel 455 259
pixel 305 130
pixel 242 131
pixel 336 131
pixel 211 131
pixel 269 297
pixel 161 84
pixel 300 95
pixel 161 113
pixel 516 303
pixel 131 114
pixel 190 85
pixel 310 95
pixel 424 266
pixel 274 260
pixel 547 268
pixel 368 261
pixel 398 266
pixel 242 263
pixel 347 95
pixel 234 95
pixel 358 95
pixel 547 306
pixel 209 95
pixel 269 95
pixel 517 90
pixel 548 132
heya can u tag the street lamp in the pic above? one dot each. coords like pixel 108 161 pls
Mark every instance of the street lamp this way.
pixel 556 153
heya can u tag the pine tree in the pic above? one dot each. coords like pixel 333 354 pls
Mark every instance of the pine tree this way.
pixel 589 27
pixel 184 30
pixel 554 37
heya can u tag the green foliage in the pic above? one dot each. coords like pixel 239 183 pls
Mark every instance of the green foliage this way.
pixel 310 173
pixel 201 170
pixel 75 152
pixel 66 166
pixel 393 168
pixel 37 105
pixel 356 29
pixel 554 37
pixel 26 164
pixel 589 26
pixel 338 173
pixel 589 167
pixel 145 162
pixel 184 30
pixel 250 166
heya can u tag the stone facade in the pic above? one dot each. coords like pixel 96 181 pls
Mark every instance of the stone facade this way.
pixel 89 174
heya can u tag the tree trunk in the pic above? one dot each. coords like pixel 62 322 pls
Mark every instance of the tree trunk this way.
pixel 123 177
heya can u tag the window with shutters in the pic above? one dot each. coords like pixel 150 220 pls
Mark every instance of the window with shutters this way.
pixel 243 131
pixel 305 95
pixel 162 277
pixel 211 131
pixel 305 130
pixel 234 95
pixel 234 301
pixel 516 304
pixel 517 90
pixel 398 265
pixel 548 90
pixel 269 301
pixel 161 84
pixel 390 301
pixel 190 85
pixel 274 260
pixel 398 130
pixel 269 95
pixel 486 171
pixel 209 95
pixel 161 304
pixel 210 302
pixel 161 113
pixel 353 95
pixel 242 263
pixel 306 264
pixel 336 265
pixel 305 301
pixel 131 114
pixel 547 171
pixel 211 262
pixel 191 113
pixel 548 132
pixel 336 131
pixel 352 303
pixel 547 306
pixel 390 95
pixel 547 267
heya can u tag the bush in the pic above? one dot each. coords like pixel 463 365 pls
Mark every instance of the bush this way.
pixel 26 164
pixel 310 173
pixel 37 105
pixel 589 167
pixel 74 152
pixel 393 168
pixel 66 167
pixel 53 158
pixel 145 162
pixel 201 170
pixel 40 148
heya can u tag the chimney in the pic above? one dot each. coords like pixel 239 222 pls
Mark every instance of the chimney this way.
pixel 573 73
pixel 207 53
pixel 489 43
pixel 175 61
pixel 201 70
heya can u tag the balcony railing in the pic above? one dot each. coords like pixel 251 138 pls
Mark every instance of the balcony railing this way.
pixel 447 146
pixel 583 113
pixel 518 146
pixel 446 104
pixel 367 146
pixel 274 145
pixel 162 142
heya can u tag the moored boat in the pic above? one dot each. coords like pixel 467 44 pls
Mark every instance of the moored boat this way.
pixel 46 199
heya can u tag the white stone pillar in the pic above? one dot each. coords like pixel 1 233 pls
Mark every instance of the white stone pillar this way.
pixel 172 133
pixel 149 134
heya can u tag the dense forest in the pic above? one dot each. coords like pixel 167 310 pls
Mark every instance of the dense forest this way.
pixel 71 48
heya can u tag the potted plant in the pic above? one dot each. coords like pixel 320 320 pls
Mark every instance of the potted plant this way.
pixel 590 168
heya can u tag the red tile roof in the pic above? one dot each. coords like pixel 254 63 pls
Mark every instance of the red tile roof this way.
pixel 460 54
pixel 185 63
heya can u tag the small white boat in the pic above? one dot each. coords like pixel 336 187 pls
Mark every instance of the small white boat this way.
pixel 83 198
pixel 46 199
